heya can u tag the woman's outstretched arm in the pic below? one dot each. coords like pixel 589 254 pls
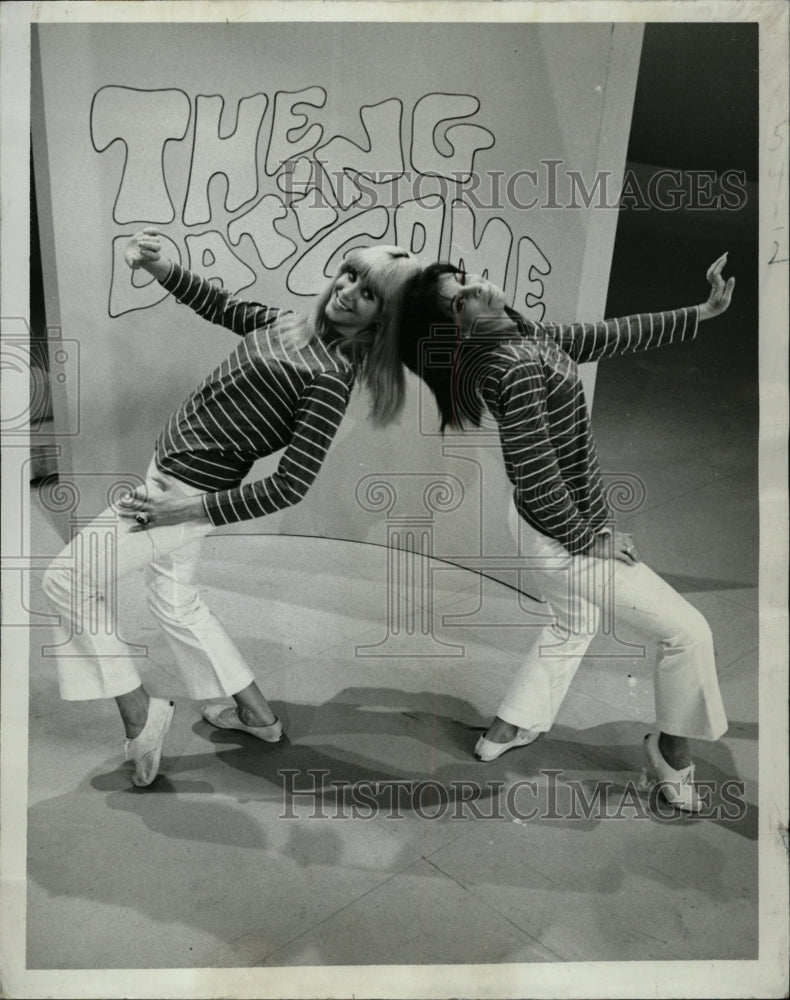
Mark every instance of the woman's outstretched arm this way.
pixel 642 331
pixel 215 304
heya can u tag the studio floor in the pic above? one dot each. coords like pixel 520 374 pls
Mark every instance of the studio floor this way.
pixel 246 855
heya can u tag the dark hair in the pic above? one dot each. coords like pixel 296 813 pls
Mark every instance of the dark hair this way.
pixel 431 346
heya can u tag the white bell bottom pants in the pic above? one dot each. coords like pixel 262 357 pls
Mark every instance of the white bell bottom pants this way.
pixel 93 660
pixel 579 590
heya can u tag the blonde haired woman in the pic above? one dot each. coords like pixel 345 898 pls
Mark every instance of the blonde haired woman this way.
pixel 286 386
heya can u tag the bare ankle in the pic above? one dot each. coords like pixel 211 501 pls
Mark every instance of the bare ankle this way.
pixel 134 711
pixel 250 718
pixel 500 731
pixel 674 750
pixel 252 707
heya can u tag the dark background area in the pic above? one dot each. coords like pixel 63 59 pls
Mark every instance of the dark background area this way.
pixel 696 108
pixel 697 98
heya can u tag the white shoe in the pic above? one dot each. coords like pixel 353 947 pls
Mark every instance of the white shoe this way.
pixel 227 717
pixel 146 748
pixel 488 750
pixel 677 787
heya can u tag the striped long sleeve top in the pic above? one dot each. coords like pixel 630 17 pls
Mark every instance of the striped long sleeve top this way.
pixel 532 387
pixel 266 396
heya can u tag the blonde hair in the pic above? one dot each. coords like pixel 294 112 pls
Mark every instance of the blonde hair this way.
pixel 375 354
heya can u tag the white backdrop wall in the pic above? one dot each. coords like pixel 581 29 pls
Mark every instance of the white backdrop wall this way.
pixel 461 138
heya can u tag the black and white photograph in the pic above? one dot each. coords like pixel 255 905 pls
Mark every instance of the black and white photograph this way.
pixel 394 480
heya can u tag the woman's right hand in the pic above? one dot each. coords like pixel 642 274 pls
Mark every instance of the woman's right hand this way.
pixel 720 291
pixel 143 248
pixel 614 545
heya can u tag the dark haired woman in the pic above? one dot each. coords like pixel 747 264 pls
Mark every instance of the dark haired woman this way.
pixel 286 386
pixel 526 374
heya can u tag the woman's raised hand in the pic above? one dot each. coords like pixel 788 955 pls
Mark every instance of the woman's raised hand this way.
pixel 143 248
pixel 720 290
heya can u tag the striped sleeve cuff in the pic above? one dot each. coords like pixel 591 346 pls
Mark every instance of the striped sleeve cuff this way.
pixel 170 281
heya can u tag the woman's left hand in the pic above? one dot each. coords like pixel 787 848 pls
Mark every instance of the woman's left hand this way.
pixel 720 291
pixel 153 508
